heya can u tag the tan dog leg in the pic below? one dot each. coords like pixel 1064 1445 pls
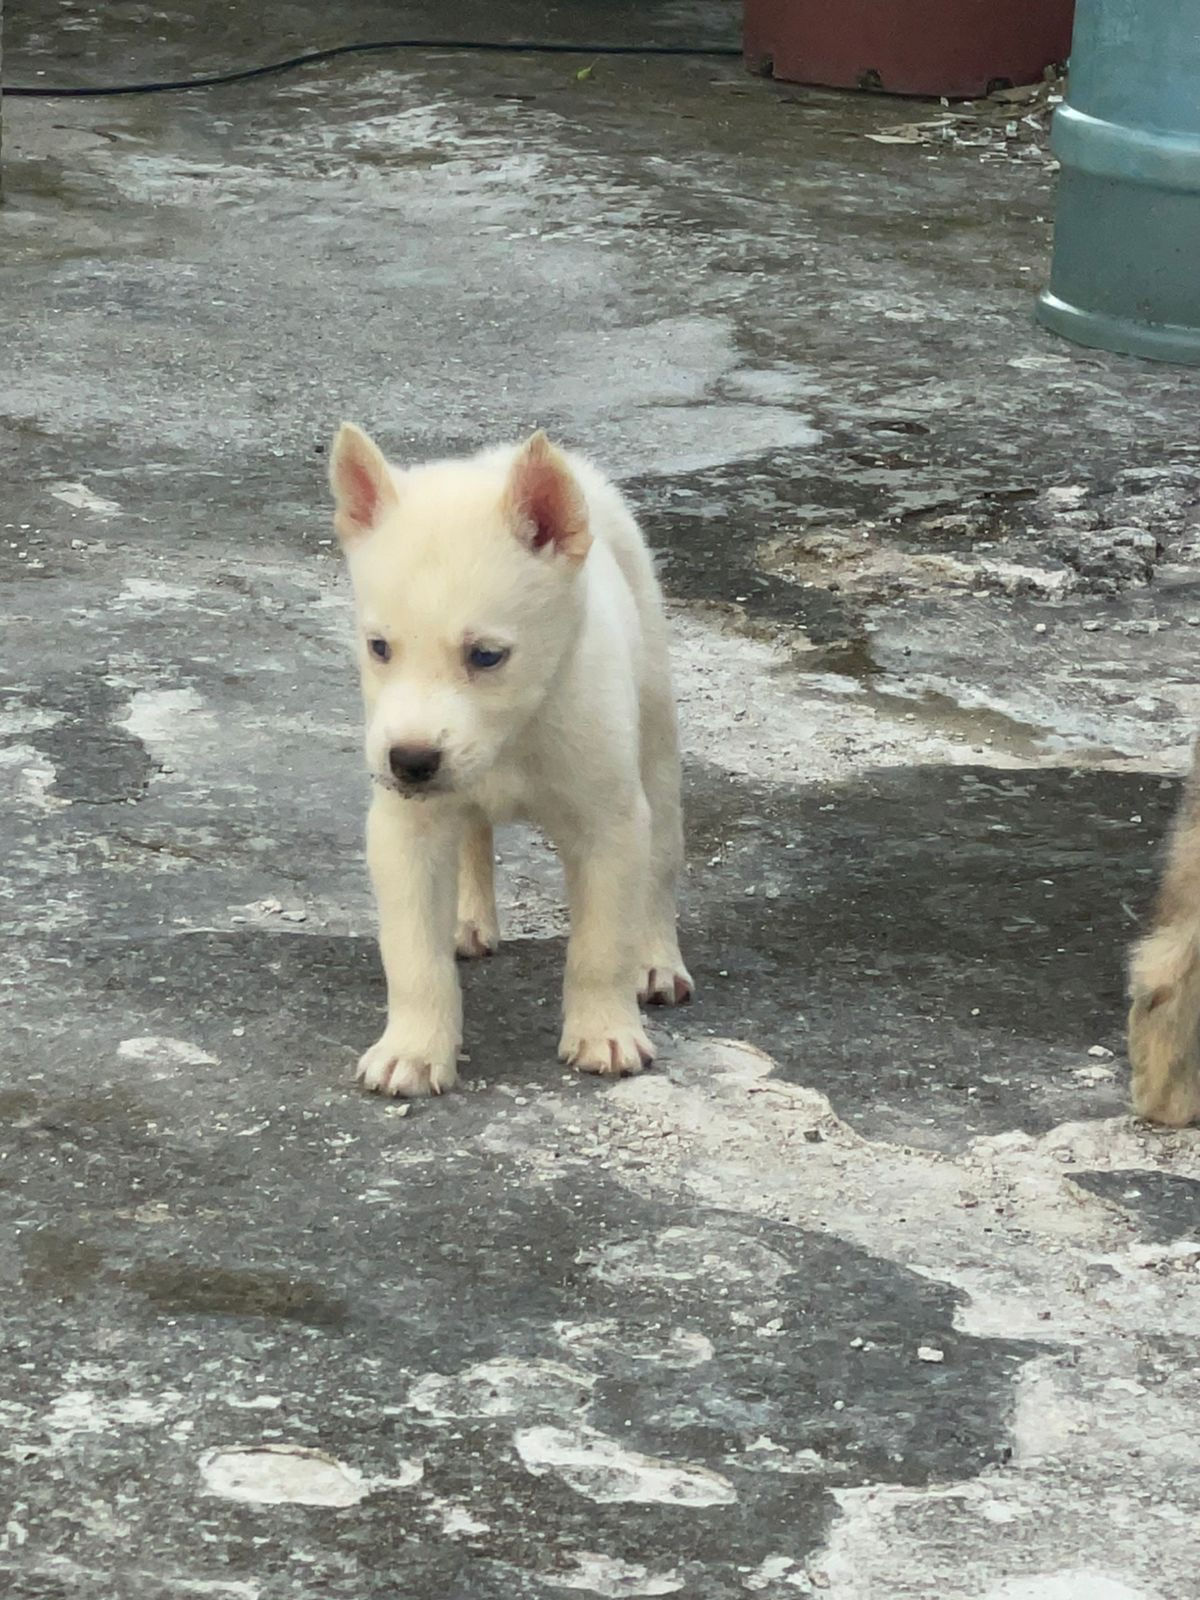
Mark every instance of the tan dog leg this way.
pixel 1164 981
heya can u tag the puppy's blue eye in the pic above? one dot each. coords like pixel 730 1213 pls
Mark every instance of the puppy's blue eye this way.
pixel 482 657
pixel 380 649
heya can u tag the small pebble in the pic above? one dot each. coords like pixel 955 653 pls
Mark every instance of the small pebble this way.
pixel 929 1352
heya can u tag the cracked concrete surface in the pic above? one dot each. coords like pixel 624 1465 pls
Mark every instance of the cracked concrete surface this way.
pixel 874 1290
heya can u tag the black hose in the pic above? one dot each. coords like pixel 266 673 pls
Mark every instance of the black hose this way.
pixel 242 75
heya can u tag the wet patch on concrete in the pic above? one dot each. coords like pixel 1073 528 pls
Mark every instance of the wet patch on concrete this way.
pixel 95 761
pixel 1162 1206
pixel 59 1264
pixel 935 948
pixel 708 529
pixel 181 1288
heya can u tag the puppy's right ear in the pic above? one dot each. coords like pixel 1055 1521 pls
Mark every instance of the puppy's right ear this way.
pixel 362 483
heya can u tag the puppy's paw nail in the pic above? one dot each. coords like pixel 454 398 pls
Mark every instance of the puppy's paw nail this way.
pixel 388 1068
pixel 610 1052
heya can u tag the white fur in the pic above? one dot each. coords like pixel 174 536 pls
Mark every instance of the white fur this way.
pixel 575 732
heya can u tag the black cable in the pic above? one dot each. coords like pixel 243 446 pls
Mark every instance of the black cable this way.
pixel 510 47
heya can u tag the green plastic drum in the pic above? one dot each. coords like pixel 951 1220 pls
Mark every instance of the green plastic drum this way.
pixel 1126 273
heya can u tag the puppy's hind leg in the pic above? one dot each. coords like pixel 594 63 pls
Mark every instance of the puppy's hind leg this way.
pixel 1164 981
pixel 478 932
pixel 1164 1025
pixel 663 980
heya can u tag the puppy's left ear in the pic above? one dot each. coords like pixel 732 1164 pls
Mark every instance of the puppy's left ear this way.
pixel 363 487
pixel 545 504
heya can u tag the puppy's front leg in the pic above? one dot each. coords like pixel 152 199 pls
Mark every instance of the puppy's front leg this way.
pixel 412 852
pixel 606 867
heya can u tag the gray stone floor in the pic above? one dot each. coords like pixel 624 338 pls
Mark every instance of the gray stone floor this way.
pixel 873 1290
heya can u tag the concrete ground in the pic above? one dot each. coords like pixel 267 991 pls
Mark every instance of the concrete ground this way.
pixel 873 1289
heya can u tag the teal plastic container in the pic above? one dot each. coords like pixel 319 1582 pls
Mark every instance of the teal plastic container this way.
pixel 1126 273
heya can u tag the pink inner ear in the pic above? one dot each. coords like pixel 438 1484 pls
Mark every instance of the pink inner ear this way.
pixel 546 508
pixel 549 502
pixel 360 492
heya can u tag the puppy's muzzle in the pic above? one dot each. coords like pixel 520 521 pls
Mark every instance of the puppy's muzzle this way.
pixel 414 765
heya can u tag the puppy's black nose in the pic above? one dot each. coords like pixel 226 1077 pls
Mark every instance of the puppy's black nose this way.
pixel 413 763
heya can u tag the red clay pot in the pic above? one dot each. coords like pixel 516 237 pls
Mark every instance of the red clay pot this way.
pixel 930 47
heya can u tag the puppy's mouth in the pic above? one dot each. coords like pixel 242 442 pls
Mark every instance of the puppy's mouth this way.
pixel 428 790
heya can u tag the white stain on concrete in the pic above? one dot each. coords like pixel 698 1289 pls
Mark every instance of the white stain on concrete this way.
pixel 612 1578
pixel 282 1475
pixel 163 718
pixel 207 1588
pixel 502 1388
pixel 1079 1584
pixel 458 1522
pixel 94 1580
pixel 14 1536
pixel 140 592
pixel 80 498
pixel 683 1255
pixel 86 1411
pixel 602 1469
pixel 26 779
pixel 774 1571
pixel 674 1348
pixel 288 1474
pixel 777 385
pixel 159 1050
pixel 27 719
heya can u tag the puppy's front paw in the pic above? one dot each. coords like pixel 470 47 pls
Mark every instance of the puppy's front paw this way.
pixel 391 1066
pixel 473 939
pixel 666 981
pixel 613 1046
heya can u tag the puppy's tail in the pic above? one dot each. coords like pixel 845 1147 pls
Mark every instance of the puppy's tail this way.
pixel 1164 980
pixel 1164 1022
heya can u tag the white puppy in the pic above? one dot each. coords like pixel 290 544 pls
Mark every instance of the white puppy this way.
pixel 514 665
